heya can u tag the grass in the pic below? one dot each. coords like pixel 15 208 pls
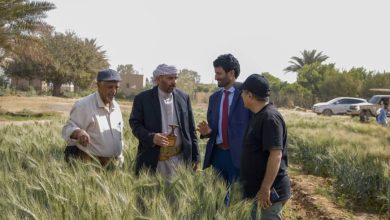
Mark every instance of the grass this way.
pixel 36 183
pixel 26 115
pixel 354 155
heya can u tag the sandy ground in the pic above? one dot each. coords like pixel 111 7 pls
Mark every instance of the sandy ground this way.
pixel 44 104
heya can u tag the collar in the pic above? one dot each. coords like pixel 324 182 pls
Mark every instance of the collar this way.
pixel 163 94
pixel 231 90
pixel 100 102
pixel 264 107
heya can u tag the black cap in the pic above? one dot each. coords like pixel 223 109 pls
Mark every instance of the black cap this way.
pixel 256 84
pixel 108 75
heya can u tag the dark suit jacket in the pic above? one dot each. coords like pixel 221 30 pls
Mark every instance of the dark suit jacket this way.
pixel 145 121
pixel 239 118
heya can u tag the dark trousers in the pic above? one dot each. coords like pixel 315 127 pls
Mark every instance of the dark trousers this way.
pixel 75 152
pixel 223 164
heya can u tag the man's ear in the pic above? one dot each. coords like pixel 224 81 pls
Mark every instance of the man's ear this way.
pixel 232 73
pixel 250 94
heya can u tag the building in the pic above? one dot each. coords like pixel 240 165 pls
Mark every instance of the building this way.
pixel 38 85
pixel 131 84
pixel 25 84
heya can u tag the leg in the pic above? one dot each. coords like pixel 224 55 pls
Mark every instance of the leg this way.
pixel 253 215
pixel 223 164
pixel 218 161
pixel 273 212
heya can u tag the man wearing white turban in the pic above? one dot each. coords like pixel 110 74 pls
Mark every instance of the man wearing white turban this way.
pixel 154 114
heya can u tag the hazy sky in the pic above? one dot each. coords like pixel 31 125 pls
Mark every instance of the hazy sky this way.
pixel 263 35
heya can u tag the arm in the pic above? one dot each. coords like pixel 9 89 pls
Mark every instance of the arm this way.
pixel 74 130
pixel 206 134
pixel 273 143
pixel 273 164
pixel 136 121
pixel 194 139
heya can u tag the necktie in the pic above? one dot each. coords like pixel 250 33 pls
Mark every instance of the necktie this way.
pixel 225 117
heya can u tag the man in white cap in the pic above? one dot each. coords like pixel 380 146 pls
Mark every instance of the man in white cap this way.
pixel 154 113
pixel 95 125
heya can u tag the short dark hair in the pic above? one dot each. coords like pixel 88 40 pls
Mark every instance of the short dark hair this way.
pixel 228 62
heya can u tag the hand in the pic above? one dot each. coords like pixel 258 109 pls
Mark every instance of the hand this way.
pixel 263 198
pixel 83 137
pixel 204 128
pixel 195 165
pixel 160 139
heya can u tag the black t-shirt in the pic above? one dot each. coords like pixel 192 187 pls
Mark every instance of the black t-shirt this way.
pixel 267 130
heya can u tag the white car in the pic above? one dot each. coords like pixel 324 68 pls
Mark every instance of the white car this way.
pixel 337 106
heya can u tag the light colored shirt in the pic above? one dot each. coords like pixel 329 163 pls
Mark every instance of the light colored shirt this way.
pixel 231 94
pixel 104 126
pixel 168 115
pixel 167 168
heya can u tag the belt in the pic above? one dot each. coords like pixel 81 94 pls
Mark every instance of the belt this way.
pixel 168 152
pixel 221 146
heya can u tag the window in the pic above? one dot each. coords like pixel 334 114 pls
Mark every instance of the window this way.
pixel 344 101
pixel 127 85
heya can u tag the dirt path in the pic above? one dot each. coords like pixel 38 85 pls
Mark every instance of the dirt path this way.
pixel 308 204
pixel 45 104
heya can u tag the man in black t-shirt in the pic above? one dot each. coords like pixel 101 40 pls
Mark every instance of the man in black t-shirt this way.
pixel 264 155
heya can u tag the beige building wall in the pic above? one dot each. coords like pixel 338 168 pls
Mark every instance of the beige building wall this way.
pixel 20 83
pixel 131 83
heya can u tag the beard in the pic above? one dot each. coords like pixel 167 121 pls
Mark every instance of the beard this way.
pixel 223 83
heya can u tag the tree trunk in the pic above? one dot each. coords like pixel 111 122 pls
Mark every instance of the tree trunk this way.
pixel 57 89
pixel 76 89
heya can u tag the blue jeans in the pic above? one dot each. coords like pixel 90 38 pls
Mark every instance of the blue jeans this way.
pixel 274 212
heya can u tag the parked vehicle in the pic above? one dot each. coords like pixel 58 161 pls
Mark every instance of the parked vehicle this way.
pixel 337 106
pixel 366 110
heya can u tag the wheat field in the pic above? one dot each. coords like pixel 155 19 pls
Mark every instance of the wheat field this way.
pixel 36 183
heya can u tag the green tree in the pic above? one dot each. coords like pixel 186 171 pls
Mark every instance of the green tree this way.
pixel 66 58
pixel 375 80
pixel 72 59
pixel 310 76
pixel 20 19
pixel 275 86
pixel 292 95
pixel 29 60
pixel 308 57
pixel 91 58
pixel 188 81
pixel 341 84
pixel 206 87
pixel 126 69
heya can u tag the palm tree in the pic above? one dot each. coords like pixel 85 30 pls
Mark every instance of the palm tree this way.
pixel 308 57
pixel 19 19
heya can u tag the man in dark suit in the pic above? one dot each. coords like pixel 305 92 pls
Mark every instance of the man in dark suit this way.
pixel 154 112
pixel 227 119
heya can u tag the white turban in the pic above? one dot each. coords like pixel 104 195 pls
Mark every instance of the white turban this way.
pixel 163 69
